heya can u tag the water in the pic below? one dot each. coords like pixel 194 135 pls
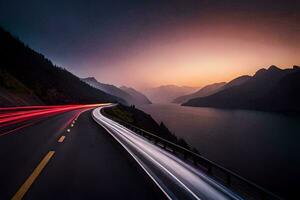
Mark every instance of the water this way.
pixel 262 147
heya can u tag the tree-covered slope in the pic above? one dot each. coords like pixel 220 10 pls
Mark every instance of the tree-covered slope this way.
pixel 51 84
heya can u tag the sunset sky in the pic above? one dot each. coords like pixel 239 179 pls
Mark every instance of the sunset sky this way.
pixel 150 43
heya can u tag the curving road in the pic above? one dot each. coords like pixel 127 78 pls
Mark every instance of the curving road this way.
pixel 40 159
pixel 59 152
pixel 177 179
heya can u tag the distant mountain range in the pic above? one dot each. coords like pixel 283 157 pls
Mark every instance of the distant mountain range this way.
pixel 28 78
pixel 271 89
pixel 167 93
pixel 205 91
pixel 131 95
pixel 137 97
pixel 212 89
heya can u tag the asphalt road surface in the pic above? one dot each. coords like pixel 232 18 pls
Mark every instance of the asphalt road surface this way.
pixel 40 159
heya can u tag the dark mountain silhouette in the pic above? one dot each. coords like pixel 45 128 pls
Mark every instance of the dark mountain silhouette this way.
pixel 130 95
pixel 237 81
pixel 137 97
pixel 13 92
pixel 212 89
pixel 205 91
pixel 110 89
pixel 167 93
pixel 271 89
pixel 44 82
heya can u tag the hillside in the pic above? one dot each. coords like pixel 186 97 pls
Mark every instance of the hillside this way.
pixel 137 97
pixel 167 93
pixel 130 95
pixel 144 121
pixel 109 89
pixel 271 89
pixel 205 91
pixel 212 89
pixel 236 82
pixel 44 82
pixel 13 92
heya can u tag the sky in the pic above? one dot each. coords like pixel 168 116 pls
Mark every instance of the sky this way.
pixel 151 43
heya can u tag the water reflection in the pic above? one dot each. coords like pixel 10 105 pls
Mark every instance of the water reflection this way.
pixel 263 147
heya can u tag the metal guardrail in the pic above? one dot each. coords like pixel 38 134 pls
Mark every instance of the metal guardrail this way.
pixel 244 187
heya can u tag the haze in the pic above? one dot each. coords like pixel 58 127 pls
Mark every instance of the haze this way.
pixel 146 44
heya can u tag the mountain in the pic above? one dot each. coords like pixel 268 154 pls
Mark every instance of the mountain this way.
pixel 212 88
pixel 236 82
pixel 130 95
pixel 271 89
pixel 13 92
pixel 167 93
pixel 137 97
pixel 30 78
pixel 110 89
pixel 205 91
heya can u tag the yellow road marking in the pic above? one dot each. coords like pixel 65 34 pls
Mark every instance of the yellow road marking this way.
pixel 61 139
pixel 26 185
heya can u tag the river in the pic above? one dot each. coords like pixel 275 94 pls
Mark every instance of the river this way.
pixel 262 147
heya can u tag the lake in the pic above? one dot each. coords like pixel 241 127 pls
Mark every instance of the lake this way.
pixel 262 147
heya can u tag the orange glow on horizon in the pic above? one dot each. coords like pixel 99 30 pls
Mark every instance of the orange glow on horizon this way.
pixel 197 54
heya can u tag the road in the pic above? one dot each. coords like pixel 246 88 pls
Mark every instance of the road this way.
pixel 177 179
pixel 40 159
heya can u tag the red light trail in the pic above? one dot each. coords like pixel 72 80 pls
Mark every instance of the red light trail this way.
pixel 15 115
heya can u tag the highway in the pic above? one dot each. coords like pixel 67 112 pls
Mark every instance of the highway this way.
pixel 177 179
pixel 45 155
pixel 74 152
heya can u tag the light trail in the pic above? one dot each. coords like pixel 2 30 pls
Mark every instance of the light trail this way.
pixel 8 109
pixel 167 169
pixel 17 115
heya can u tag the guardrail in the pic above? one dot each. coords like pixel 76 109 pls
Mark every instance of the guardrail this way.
pixel 232 180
